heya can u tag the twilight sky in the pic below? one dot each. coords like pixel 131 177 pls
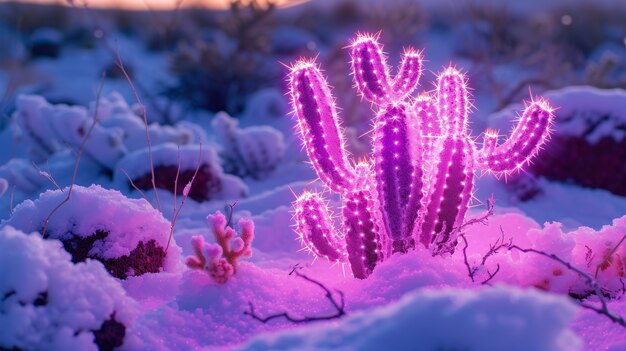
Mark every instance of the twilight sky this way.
pixel 143 4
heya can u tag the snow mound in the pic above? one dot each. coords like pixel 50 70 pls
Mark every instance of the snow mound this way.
pixel 114 112
pixel 211 183
pixel 49 303
pixel 252 151
pixel 127 235
pixel 48 128
pixel 266 105
pixel 500 318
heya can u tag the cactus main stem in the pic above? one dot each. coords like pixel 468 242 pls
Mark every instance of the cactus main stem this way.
pixel 449 192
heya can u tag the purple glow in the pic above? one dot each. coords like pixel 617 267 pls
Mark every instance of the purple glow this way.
pixel 420 180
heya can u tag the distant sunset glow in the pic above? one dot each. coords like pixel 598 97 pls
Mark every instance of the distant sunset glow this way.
pixel 151 4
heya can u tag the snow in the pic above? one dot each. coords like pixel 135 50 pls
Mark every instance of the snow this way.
pixel 253 151
pixel 499 318
pixel 411 301
pixel 135 165
pixel 92 209
pixel 79 297
pixel 48 127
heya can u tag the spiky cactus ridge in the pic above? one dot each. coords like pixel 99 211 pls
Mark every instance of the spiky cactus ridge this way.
pixel 417 184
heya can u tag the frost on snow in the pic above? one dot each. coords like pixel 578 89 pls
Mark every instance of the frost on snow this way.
pixel 450 319
pixel 49 303
pixel 127 235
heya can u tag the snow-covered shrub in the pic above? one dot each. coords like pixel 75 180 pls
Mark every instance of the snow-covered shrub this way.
pixel 48 128
pixel 220 260
pixel 210 183
pixel 589 143
pixel 253 151
pixel 219 72
pixel 606 68
pixel 584 248
pixel 114 112
pixel 49 303
pixel 20 173
pixel 266 105
pixel 498 318
pixel 45 42
pixel 127 235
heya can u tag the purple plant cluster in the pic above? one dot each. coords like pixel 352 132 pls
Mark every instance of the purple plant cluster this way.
pixel 417 184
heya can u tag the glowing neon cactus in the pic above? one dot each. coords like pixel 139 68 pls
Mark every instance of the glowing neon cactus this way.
pixel 420 181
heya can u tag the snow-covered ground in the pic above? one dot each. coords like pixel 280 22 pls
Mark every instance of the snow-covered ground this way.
pixel 53 300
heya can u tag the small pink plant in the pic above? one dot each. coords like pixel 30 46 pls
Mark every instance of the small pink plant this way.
pixel 220 260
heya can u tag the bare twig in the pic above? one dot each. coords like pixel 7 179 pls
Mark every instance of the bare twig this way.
pixel 470 270
pixel 78 155
pixel 143 195
pixel 176 179
pixel 603 309
pixel 491 275
pixel 499 244
pixel 11 199
pixel 47 175
pixel 185 195
pixel 120 65
pixel 494 248
pixel 483 218
pixel 231 210
pixel 607 258
pixel 339 306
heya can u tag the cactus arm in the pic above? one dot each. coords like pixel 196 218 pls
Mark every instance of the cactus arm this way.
pixel 370 69
pixel 319 127
pixel 449 192
pixel 408 75
pixel 531 132
pixel 453 101
pixel 362 233
pixel 314 226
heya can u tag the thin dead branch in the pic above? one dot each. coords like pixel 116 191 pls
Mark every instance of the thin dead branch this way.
pixel 494 248
pixel 231 210
pixel 11 198
pixel 603 309
pixel 143 195
pixel 120 65
pixel 339 306
pixel 185 195
pixel 47 175
pixel 78 156
pixel 606 260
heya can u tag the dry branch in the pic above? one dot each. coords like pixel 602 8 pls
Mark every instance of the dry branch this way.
pixel 603 309
pixel 78 155
pixel 339 306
